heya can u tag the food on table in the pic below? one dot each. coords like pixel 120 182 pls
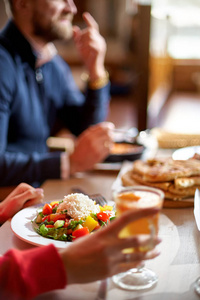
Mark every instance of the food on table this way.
pixel 196 156
pixel 125 148
pixel 122 151
pixel 177 178
pixel 75 216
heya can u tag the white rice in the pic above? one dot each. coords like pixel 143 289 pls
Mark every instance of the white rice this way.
pixel 78 206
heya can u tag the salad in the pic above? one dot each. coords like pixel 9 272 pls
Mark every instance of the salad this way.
pixel 75 216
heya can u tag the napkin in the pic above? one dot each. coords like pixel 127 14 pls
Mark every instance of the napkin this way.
pixel 197 208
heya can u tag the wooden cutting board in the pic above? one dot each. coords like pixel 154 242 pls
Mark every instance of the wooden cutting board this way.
pixel 178 204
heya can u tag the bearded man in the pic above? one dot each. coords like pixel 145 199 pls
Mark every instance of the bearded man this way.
pixel 37 89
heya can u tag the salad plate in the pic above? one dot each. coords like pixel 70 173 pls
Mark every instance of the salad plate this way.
pixel 22 227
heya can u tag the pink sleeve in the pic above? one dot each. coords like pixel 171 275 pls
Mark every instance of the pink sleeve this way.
pixel 26 274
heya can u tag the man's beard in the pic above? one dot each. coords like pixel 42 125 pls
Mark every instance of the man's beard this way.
pixel 56 30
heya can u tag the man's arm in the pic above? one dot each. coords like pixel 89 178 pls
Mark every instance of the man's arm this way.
pixel 31 168
pixel 80 110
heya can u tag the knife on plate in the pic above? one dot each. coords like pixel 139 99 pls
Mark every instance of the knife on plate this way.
pixel 197 208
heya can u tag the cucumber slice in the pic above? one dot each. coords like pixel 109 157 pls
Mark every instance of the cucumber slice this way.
pixel 59 223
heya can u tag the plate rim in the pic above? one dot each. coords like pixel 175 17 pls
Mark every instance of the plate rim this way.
pixel 185 150
pixel 23 229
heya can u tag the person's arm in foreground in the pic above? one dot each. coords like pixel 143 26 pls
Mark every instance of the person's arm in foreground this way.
pixel 99 255
pixel 88 259
pixel 22 196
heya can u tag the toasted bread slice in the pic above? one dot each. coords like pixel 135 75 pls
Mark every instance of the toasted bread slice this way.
pixel 186 182
pixel 159 170
pixel 127 180
pixel 160 185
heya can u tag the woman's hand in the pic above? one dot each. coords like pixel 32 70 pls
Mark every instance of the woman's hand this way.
pixel 99 255
pixel 22 196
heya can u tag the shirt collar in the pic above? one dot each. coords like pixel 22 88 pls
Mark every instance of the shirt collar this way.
pixel 44 53
pixel 29 51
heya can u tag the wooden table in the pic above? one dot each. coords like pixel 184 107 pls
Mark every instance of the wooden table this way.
pixel 177 267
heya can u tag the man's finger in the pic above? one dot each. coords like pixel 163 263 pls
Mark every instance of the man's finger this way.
pixel 90 21
pixel 76 31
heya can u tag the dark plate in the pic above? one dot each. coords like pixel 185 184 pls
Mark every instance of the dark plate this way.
pixel 133 154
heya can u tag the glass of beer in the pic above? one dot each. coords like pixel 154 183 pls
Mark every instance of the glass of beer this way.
pixel 136 198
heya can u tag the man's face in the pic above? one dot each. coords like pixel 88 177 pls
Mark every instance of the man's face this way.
pixel 52 19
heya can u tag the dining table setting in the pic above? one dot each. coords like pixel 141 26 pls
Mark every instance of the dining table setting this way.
pixel 177 266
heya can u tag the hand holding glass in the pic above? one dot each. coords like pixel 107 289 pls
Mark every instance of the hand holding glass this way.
pixel 136 198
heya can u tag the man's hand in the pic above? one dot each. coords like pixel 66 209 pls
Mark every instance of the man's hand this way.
pixel 91 147
pixel 91 46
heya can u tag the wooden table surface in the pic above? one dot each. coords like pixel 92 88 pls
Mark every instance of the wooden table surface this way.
pixel 177 267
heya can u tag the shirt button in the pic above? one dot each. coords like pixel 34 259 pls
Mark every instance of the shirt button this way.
pixel 39 75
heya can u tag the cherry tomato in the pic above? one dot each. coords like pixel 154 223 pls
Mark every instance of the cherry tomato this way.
pixel 50 226
pixel 80 232
pixel 69 231
pixel 103 216
pixel 46 218
pixel 47 209
pixel 54 205
pixel 66 223
pixel 55 217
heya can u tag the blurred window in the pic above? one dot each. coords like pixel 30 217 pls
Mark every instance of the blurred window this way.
pixel 176 28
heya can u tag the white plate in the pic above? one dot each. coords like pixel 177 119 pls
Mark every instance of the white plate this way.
pixel 185 153
pixel 108 166
pixel 22 227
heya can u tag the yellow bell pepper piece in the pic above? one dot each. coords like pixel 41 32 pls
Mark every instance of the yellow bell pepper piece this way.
pixel 106 207
pixel 54 202
pixel 90 223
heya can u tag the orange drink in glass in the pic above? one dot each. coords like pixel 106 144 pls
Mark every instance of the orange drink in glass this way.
pixel 136 198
